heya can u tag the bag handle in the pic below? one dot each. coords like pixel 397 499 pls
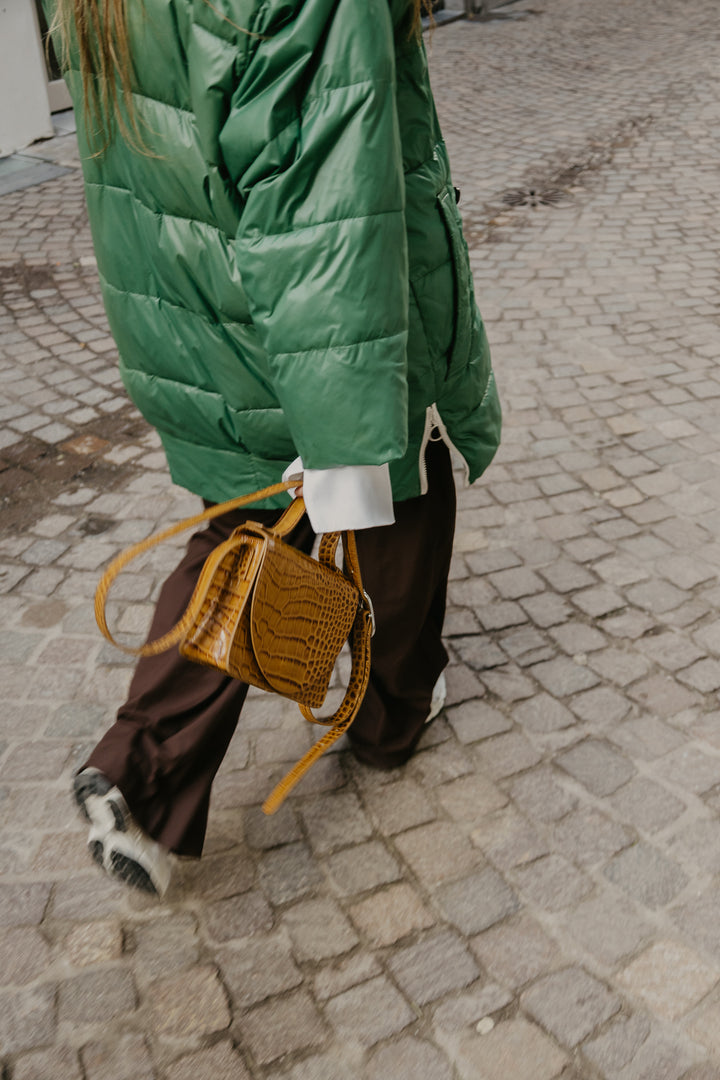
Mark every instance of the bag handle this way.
pixel 285 525
pixel 328 552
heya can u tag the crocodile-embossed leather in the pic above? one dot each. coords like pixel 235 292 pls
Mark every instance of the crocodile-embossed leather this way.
pixel 271 616
pixel 277 621
pixel 222 626
pixel 298 632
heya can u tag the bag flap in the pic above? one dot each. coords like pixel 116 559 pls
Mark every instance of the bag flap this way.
pixel 227 593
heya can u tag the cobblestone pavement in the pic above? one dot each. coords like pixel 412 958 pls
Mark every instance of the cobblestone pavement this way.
pixel 535 896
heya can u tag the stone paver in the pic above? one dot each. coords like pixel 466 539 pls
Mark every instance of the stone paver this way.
pixel 706 1027
pixel 433 967
pixel 512 1048
pixel 281 1026
pixel 121 1058
pixel 391 915
pixel 618 1044
pixel 570 1004
pixel 516 950
pixel 670 978
pixel 534 895
pixel 189 1003
pixel 407 1059
pixel 369 1012
pixel 647 875
pixel 608 927
pixel 221 1062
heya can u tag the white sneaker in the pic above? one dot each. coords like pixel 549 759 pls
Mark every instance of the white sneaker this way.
pixel 116 842
pixel 439 694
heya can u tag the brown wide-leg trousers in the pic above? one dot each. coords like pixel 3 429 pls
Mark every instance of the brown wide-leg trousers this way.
pixel 172 733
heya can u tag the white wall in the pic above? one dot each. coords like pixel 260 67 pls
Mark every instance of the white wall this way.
pixel 24 107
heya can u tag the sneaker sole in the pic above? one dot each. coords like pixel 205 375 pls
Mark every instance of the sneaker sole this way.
pixel 97 852
pixel 130 872
pixel 439 698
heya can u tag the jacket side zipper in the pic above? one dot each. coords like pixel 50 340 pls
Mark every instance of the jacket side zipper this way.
pixel 434 423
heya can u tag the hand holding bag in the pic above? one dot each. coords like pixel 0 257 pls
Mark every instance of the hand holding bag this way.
pixel 267 614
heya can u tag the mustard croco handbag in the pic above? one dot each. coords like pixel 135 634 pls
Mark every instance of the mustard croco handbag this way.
pixel 267 614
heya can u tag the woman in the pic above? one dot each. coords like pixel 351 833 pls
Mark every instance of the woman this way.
pixel 284 272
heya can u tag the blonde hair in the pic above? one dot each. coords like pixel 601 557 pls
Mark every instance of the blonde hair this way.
pixel 98 30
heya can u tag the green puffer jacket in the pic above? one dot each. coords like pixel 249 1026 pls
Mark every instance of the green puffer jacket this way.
pixel 283 268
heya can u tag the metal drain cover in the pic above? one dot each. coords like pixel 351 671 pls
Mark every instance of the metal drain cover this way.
pixel 532 196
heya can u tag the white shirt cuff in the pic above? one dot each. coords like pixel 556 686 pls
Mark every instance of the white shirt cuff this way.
pixel 346 497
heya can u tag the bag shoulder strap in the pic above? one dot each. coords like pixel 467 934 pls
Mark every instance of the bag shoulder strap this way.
pixel 151 648
pixel 361 633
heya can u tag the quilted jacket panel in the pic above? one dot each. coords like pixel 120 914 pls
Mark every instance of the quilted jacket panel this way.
pixel 283 268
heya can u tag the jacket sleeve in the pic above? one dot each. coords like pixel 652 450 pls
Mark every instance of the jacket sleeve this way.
pixel 312 144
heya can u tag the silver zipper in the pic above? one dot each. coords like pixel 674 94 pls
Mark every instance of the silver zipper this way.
pixel 423 447
pixel 433 421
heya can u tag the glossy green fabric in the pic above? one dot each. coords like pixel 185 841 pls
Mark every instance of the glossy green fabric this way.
pixel 284 270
